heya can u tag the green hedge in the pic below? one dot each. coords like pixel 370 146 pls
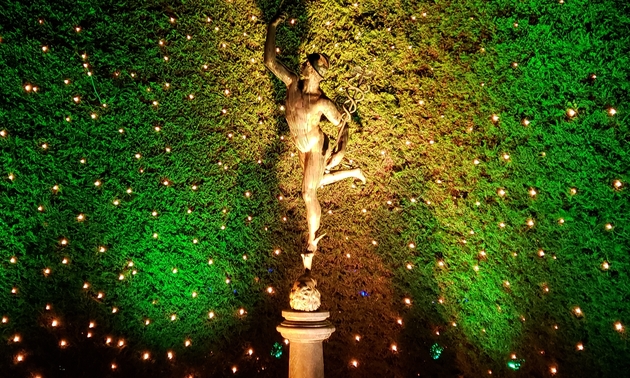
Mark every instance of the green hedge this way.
pixel 424 136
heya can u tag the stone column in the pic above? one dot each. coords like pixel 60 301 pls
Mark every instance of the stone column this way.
pixel 306 331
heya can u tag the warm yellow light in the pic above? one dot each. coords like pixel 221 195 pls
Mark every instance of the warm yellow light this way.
pixel 571 112
pixel 579 346
pixel 146 356
pixel 211 314
pixel 618 326
pixel 354 363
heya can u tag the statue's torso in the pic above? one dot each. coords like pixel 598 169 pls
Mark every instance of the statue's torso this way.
pixel 303 115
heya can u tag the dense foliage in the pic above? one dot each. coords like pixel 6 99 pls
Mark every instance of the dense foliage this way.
pixel 159 185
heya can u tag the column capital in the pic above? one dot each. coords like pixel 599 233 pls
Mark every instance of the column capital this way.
pixel 306 326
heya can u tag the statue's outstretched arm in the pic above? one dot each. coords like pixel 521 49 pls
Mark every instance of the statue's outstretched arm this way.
pixel 329 109
pixel 274 65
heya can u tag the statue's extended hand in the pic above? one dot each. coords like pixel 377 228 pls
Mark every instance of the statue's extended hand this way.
pixel 279 19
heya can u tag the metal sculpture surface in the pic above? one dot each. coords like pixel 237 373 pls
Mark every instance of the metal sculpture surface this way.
pixel 305 104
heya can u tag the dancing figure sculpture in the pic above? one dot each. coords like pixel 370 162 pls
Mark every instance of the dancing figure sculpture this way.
pixel 305 104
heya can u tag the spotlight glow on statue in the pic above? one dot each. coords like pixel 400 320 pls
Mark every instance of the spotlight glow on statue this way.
pixel 305 104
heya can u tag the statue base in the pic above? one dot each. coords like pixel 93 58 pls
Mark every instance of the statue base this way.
pixel 306 331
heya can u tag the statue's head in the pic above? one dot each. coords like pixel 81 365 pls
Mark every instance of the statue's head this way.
pixel 304 294
pixel 315 67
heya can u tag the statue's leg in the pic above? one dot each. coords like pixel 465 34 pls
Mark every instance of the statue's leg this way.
pixel 340 149
pixel 314 162
pixel 330 178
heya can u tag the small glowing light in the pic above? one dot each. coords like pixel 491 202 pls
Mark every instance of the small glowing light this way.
pixel 187 343
pixel 525 122
pixel 541 253
pixel 501 192
pixel 612 111
pixel 577 311
pixel 394 348
pixel 553 370
pixel 354 363
pixel 407 301
pixel 241 311
pixel 16 338
pixel 609 226
pixel 409 266
pixel 411 245
pixel 5 320
pixel 100 295
pixel 54 323
pixel 617 184
pixel 476 268
pixel 506 156
pixel 571 113
pixel 532 192
pixel 282 107
pixel 234 369
pixel 441 263
pixel 44 48
pixel 482 253
pixel 46 271
pixel 506 283
pixel 502 225
pixel 145 356
pixel 618 326
pixel 579 346
pixel 86 285
pixel 605 265
pixel 211 314
pixel 19 358
pixel 495 118
pixel 191 96
pixel 250 351
pixel 530 222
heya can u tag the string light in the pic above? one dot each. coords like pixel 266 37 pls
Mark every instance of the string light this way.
pixel 579 346
pixel 619 327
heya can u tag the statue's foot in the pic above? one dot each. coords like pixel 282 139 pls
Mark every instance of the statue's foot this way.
pixel 361 176
pixel 307 260
pixel 312 245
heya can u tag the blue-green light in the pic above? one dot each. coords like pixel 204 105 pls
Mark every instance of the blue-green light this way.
pixel 276 350
pixel 436 351
pixel 515 364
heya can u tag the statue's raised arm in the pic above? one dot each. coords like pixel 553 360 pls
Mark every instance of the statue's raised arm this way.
pixel 274 65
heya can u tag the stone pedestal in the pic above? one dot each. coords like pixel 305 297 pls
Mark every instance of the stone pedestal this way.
pixel 306 331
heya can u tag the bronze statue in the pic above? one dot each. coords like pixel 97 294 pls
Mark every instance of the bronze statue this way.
pixel 305 105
